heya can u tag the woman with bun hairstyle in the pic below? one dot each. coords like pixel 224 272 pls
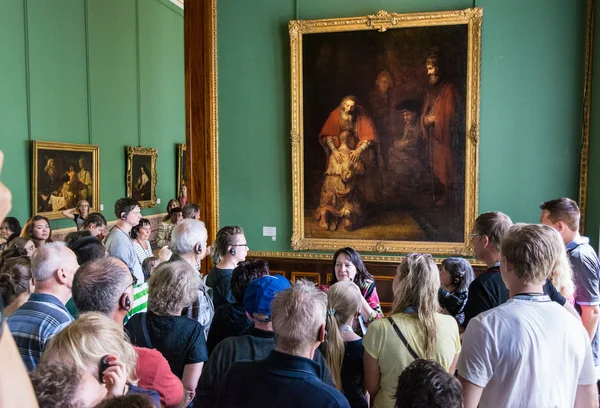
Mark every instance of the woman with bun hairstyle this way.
pixel 16 283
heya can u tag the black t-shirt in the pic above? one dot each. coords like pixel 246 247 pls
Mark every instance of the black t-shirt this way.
pixel 179 339
pixel 353 380
pixel 229 320
pixel 489 291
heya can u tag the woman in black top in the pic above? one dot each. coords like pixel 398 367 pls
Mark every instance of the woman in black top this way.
pixel 455 277
pixel 343 349
pixel 172 287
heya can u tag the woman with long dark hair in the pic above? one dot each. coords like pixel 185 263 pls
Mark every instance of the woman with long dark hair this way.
pixel 38 229
pixel 9 229
pixel 348 266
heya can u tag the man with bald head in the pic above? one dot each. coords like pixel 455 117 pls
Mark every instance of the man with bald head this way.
pixel 53 267
pixel 105 285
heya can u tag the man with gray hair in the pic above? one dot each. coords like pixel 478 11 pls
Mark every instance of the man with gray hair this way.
pixel 105 285
pixel 53 267
pixel 289 374
pixel 188 244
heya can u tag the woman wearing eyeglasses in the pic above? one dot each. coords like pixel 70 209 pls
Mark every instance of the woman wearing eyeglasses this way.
pixel 229 248
pixel 415 330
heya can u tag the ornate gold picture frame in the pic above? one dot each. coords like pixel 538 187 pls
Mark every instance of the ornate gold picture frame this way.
pixel 181 164
pixel 385 131
pixel 141 177
pixel 62 174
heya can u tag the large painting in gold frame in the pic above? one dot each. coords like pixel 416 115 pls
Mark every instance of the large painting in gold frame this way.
pixel 385 131
pixel 63 174
pixel 141 176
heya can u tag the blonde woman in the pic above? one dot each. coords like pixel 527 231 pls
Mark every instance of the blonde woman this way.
pixel 173 286
pixel 414 330
pixel 95 344
pixel 562 276
pixel 343 349
pixel 79 213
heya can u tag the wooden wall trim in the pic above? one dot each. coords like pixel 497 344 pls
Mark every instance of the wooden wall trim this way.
pixel 200 45
pixel 319 271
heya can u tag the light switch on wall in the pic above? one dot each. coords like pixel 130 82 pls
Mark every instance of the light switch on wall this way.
pixel 101 207
pixel 158 201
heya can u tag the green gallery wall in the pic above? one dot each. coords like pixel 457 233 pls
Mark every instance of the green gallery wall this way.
pixel 111 73
pixel 531 104
pixel 592 224
pixel 103 72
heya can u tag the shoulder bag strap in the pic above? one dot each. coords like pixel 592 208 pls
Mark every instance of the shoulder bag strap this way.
pixel 403 339
pixel 145 330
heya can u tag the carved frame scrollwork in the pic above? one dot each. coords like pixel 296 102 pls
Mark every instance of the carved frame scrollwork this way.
pixel 384 21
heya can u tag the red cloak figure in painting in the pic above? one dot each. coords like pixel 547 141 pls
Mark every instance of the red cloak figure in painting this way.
pixel 360 135
pixel 438 124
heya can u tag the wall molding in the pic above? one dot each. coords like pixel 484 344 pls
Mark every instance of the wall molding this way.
pixel 394 259
pixel 587 112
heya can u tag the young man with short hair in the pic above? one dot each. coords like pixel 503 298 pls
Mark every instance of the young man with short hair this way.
pixel 488 290
pixel 563 215
pixel 95 223
pixel 529 351
pixel 287 376
pixel 118 243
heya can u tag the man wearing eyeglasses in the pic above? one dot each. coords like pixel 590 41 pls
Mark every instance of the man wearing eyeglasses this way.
pixel 488 290
pixel 227 251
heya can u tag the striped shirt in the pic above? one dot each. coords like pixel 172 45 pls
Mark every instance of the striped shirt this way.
pixel 140 252
pixel 140 300
pixel 34 323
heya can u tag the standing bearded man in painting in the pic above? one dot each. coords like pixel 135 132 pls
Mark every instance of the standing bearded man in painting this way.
pixel 439 126
pixel 362 141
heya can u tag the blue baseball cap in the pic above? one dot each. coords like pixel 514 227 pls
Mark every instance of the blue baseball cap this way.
pixel 261 292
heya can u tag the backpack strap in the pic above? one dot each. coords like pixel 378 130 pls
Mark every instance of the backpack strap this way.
pixel 403 339
pixel 145 329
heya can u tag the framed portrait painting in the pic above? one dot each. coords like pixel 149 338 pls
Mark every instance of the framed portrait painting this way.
pixel 181 165
pixel 63 174
pixel 385 131
pixel 141 175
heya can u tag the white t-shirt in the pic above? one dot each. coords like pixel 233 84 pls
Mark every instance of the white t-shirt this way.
pixel 527 353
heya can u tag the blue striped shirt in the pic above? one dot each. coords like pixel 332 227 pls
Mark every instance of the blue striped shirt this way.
pixel 34 323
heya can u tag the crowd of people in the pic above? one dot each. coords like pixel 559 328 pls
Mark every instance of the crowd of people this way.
pixel 99 320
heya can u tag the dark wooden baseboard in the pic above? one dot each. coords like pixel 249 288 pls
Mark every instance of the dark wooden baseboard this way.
pixel 320 271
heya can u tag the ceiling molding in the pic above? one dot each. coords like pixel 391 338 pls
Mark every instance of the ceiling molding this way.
pixel 178 3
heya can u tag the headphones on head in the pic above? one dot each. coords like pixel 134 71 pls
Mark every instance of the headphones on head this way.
pixel 232 251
